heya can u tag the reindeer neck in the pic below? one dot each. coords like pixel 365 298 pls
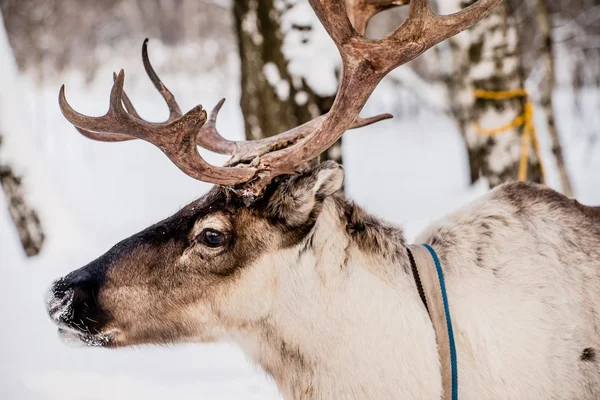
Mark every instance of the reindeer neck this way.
pixel 347 320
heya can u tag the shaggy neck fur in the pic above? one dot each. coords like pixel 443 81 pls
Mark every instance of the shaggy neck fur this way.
pixel 345 306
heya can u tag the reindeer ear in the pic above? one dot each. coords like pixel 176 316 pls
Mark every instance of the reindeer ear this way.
pixel 299 199
pixel 329 177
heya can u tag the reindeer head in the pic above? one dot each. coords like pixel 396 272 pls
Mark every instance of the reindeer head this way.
pixel 213 266
pixel 194 276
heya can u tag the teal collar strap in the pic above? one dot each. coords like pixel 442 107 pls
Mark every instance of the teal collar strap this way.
pixel 429 279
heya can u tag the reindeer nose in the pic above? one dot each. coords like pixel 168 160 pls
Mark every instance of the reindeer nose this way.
pixel 58 301
pixel 71 301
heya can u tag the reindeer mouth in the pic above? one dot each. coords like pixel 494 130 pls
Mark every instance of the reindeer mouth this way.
pixel 74 337
pixel 77 332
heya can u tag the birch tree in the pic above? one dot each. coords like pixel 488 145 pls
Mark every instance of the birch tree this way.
pixel 546 90
pixel 486 57
pixel 288 67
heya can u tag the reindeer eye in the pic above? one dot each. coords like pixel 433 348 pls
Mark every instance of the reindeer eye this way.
pixel 212 238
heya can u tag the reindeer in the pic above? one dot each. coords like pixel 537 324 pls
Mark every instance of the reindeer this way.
pixel 318 292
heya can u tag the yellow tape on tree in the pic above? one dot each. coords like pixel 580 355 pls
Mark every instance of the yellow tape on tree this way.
pixel 525 120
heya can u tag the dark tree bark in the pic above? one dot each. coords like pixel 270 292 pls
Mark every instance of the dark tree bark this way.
pixel 272 100
pixel 24 217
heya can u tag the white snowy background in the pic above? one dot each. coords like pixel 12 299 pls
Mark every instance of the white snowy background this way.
pixel 90 195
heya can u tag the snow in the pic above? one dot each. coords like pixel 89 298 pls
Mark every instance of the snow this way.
pixel 301 98
pixel 22 152
pixel 482 69
pixel 250 23
pixel 303 37
pixel 281 86
pixel 433 94
pixel 409 171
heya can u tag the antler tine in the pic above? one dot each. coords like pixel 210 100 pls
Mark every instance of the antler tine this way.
pixel 457 22
pixel 105 137
pixel 126 101
pixel 210 138
pixel 174 110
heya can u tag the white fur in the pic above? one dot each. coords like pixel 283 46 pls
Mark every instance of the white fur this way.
pixel 325 329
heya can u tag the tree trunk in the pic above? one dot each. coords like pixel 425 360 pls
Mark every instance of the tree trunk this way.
pixel 274 100
pixel 22 214
pixel 24 217
pixel 487 57
pixel 546 89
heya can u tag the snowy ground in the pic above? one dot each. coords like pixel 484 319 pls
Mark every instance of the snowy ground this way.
pixel 408 171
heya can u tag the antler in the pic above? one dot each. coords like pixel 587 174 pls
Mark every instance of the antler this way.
pixel 365 62
pixel 174 136
pixel 246 151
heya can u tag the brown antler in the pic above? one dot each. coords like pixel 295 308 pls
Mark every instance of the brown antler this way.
pixel 365 62
pixel 246 151
pixel 176 137
pixel 119 125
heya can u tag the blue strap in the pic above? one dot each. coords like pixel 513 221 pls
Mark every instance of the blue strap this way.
pixel 453 363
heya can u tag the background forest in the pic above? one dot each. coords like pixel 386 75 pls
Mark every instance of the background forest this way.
pixel 66 199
